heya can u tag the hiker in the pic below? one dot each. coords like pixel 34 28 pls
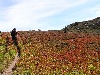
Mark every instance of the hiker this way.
pixel 14 38
pixel 13 34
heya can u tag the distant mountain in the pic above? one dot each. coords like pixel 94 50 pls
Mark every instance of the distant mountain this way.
pixel 91 26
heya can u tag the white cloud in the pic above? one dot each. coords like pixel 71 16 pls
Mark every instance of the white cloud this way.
pixel 29 13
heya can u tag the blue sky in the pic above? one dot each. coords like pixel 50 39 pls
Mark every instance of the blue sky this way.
pixel 45 14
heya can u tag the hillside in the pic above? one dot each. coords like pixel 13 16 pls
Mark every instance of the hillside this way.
pixel 53 52
pixel 90 26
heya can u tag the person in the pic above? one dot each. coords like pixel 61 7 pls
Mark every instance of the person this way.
pixel 14 38
pixel 13 34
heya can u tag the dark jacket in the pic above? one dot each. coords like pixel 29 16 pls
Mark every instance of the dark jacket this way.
pixel 13 34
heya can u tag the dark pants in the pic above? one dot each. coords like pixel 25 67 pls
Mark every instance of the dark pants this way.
pixel 16 44
pixel 14 38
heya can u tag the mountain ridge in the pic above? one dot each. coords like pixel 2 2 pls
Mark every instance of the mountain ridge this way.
pixel 91 26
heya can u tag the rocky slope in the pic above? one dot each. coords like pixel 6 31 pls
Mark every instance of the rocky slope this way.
pixel 91 26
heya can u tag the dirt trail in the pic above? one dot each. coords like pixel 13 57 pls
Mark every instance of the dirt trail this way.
pixel 8 71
